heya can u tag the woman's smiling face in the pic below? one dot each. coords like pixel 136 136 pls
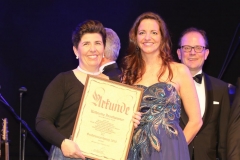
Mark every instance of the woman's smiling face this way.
pixel 90 50
pixel 149 36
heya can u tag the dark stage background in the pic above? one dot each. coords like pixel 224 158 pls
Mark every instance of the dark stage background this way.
pixel 35 45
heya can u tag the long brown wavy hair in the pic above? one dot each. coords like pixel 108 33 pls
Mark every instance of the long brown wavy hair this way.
pixel 133 63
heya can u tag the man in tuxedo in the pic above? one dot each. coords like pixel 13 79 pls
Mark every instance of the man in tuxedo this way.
pixel 210 141
pixel 108 64
pixel 233 135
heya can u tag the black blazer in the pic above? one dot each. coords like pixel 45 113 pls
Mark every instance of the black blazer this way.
pixel 210 141
pixel 112 71
pixel 233 138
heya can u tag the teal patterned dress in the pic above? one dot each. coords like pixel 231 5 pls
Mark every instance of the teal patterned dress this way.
pixel 159 136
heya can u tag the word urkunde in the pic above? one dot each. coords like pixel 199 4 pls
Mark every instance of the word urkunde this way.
pixel 107 104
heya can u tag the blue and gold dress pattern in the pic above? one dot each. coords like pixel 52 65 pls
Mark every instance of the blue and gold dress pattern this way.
pixel 159 136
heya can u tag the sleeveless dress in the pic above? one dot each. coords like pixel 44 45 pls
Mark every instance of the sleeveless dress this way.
pixel 159 136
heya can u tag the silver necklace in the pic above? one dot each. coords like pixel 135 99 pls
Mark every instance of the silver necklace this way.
pixel 91 73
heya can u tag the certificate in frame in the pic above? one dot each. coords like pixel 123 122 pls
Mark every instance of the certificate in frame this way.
pixel 103 128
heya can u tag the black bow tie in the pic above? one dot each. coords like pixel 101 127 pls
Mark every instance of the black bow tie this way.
pixel 198 78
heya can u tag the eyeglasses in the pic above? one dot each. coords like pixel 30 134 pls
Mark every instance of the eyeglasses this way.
pixel 197 49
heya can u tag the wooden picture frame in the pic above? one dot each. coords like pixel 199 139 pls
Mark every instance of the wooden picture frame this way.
pixel 103 129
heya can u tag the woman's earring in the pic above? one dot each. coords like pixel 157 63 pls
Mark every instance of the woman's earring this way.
pixel 76 57
pixel 103 56
pixel 137 48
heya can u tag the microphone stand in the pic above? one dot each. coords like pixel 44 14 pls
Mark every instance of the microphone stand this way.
pixel 23 123
pixel 22 131
pixel 24 134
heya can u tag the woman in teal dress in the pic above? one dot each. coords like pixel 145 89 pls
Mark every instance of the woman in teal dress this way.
pixel 149 65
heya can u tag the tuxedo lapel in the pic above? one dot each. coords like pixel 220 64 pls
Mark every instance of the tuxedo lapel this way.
pixel 109 67
pixel 209 100
pixel 235 110
pixel 208 105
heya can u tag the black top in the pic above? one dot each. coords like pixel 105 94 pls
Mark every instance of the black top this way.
pixel 58 110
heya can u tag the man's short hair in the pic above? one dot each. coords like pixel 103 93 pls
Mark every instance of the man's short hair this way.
pixel 113 45
pixel 193 29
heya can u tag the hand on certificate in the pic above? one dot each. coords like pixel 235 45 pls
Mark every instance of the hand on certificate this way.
pixel 136 119
pixel 70 149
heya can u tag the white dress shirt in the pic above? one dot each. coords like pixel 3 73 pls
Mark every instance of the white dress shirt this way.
pixel 201 94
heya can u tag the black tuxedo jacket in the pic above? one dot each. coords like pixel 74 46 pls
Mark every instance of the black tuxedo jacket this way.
pixel 233 138
pixel 210 141
pixel 112 71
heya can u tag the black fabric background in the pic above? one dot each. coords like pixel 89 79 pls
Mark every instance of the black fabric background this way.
pixel 35 45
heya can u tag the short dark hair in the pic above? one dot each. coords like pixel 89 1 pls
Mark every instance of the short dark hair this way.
pixel 193 29
pixel 89 26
